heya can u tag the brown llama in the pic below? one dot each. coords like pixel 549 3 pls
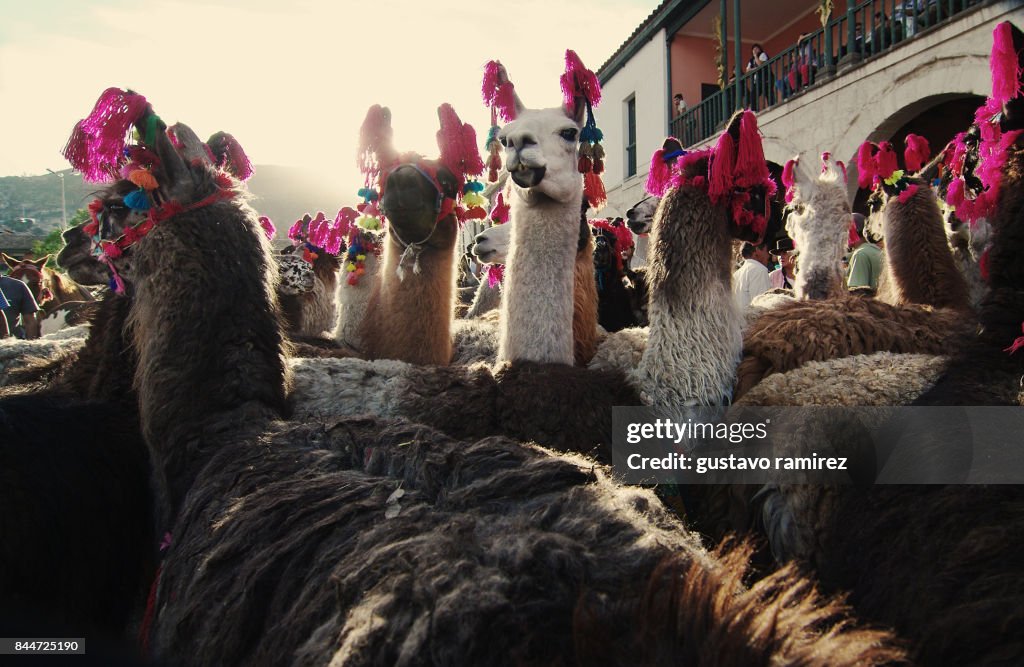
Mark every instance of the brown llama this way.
pixel 372 542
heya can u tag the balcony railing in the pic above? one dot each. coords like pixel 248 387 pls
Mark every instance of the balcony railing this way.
pixel 865 31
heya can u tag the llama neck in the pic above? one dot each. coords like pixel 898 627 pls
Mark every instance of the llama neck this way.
pixel 208 338
pixel 410 319
pixel 918 260
pixel 353 302
pixel 821 237
pixel 820 276
pixel 694 340
pixel 584 312
pixel 537 303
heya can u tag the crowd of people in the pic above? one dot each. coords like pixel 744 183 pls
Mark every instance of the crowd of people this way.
pixel 771 266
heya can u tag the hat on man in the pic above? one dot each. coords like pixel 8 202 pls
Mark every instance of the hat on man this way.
pixel 782 246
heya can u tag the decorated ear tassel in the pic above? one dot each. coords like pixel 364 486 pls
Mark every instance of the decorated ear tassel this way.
pixel 789 178
pixel 96 145
pixel 1004 64
pixel 866 170
pixel 750 168
pixel 885 161
pixel 228 154
pixel 268 227
pixel 916 153
pixel 144 179
pixel 500 211
pixel 722 163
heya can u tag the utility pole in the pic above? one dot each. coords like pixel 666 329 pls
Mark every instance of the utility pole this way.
pixel 63 201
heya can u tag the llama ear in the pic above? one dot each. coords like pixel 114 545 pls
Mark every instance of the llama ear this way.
pixel 172 172
pixel 517 104
pixel 40 262
pixel 188 144
pixel 10 261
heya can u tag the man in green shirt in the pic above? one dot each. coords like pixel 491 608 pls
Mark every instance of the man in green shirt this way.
pixel 866 259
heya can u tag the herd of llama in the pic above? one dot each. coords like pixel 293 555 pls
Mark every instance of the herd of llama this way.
pixel 249 458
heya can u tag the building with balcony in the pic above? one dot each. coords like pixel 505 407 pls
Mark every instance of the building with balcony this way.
pixel 874 70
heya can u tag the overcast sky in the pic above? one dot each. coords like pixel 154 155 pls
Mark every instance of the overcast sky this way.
pixel 291 79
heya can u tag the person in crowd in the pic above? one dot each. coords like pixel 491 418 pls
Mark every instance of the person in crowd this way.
pixel 679 102
pixel 21 310
pixel 751 279
pixel 785 275
pixel 865 257
pixel 760 81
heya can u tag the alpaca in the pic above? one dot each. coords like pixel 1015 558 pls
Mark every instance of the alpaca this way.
pixel 490 247
pixel 818 224
pixel 308 284
pixel 475 343
pixel 694 337
pixel 614 305
pixel 410 317
pixel 640 216
pixel 343 514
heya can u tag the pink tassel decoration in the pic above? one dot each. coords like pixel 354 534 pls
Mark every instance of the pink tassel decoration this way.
pixel 296 231
pixel 498 91
pixel 345 219
pixel 909 192
pixel 789 178
pixel 750 169
pixel 659 177
pixel 578 81
pixel 866 164
pixel 500 211
pixel 229 155
pixel 916 153
pixel 495 274
pixel 885 160
pixel 96 146
pixel 723 160
pixel 1005 64
pixel 268 227
pixel 375 149
pixel 457 142
pixel 955 193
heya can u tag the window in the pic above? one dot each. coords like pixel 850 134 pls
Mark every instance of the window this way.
pixel 631 137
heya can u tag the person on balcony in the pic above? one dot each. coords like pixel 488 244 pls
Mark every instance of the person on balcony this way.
pixel 760 83
pixel 680 104
pixel 803 67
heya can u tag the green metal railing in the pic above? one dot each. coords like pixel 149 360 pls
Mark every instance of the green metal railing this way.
pixel 865 31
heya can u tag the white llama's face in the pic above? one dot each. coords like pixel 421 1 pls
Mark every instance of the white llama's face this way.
pixel 819 211
pixel 540 155
pixel 492 244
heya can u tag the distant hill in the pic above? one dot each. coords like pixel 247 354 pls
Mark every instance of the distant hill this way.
pixel 281 193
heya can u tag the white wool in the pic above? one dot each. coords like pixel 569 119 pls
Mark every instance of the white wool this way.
pixel 346 387
pixel 620 351
pixel 474 340
pixel 352 301
pixel 819 225
pixel 537 298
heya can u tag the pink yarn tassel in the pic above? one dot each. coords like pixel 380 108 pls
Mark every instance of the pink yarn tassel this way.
pixel 866 164
pixel 905 196
pixel 1005 64
pixel 885 160
pixel 97 142
pixel 578 81
pixel 955 193
pixel 229 155
pixel 723 161
pixel 500 212
pixel 268 227
pixel 295 231
pixel 916 153
pixel 750 169
pixel 659 177
pixel 495 274
pixel 457 142
pixel 789 178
